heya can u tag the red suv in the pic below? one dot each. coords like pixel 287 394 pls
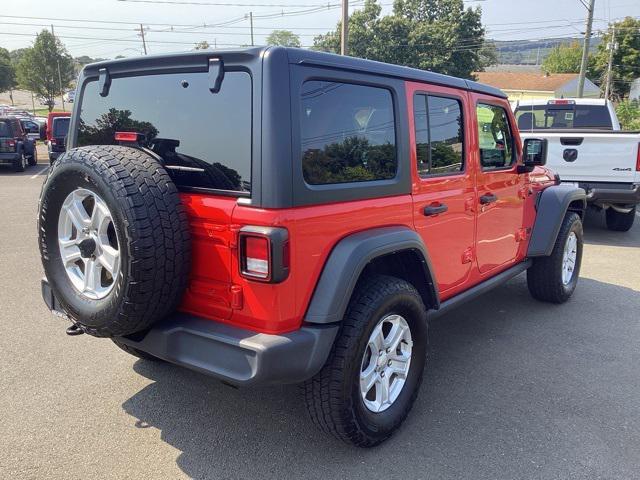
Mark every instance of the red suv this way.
pixel 275 215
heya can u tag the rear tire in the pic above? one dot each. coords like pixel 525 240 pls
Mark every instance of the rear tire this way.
pixel 20 164
pixel 545 277
pixel 620 222
pixel 335 398
pixel 33 159
pixel 134 351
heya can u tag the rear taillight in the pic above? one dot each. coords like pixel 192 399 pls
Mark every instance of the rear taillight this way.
pixel 11 143
pixel 54 141
pixel 264 253
pixel 126 137
pixel 638 159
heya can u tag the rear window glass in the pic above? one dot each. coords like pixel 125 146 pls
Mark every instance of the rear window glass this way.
pixel 204 139
pixel 563 116
pixel 60 127
pixel 347 133
pixel 5 129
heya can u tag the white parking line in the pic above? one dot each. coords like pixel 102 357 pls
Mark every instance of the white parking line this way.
pixel 38 174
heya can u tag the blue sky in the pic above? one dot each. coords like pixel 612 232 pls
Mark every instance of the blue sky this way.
pixel 173 27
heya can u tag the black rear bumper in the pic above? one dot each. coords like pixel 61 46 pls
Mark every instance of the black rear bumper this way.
pixel 9 158
pixel 617 193
pixel 234 355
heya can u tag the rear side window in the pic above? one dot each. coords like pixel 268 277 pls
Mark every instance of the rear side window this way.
pixel 204 139
pixel 60 126
pixel 5 129
pixel 439 135
pixel 495 138
pixel 563 116
pixel 347 133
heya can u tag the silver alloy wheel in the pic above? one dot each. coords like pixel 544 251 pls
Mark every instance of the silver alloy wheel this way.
pixel 88 242
pixel 385 363
pixel 569 258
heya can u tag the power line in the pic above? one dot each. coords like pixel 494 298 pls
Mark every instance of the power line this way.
pixel 225 4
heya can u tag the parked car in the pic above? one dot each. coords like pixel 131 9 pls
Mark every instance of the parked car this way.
pixel 285 216
pixel 33 129
pixel 70 96
pixel 58 142
pixel 588 149
pixel 16 148
pixel 50 118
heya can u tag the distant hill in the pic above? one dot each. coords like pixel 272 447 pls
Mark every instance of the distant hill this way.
pixel 532 52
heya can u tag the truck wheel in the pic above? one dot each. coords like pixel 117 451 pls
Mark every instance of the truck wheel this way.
pixel 20 164
pixel 554 278
pixel 373 373
pixel 33 159
pixel 620 222
pixel 114 239
pixel 134 351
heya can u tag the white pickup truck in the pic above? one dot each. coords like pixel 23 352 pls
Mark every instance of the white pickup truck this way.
pixel 587 147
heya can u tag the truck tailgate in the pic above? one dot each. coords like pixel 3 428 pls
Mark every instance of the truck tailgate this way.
pixel 591 156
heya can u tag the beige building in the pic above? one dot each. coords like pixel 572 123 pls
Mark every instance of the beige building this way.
pixel 536 85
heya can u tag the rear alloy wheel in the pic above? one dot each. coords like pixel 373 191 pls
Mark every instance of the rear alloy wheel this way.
pixel 368 384
pixel 620 221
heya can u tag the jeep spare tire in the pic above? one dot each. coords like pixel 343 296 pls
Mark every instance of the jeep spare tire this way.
pixel 114 239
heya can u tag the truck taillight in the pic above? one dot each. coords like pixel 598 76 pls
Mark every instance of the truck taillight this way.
pixel 11 143
pixel 264 253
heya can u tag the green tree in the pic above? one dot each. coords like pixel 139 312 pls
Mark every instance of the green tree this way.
pixel 563 59
pixel 46 69
pixel 628 112
pixel 438 35
pixel 283 38
pixel 7 71
pixel 626 58
pixel 203 45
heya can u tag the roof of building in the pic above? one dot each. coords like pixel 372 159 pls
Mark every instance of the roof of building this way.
pixel 525 80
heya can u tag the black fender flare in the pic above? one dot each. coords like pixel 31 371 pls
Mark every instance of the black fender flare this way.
pixel 348 259
pixel 551 208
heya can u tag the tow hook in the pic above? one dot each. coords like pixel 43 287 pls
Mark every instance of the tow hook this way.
pixel 74 330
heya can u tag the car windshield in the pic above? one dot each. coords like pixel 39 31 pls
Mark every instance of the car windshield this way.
pixel 203 138
pixel 60 126
pixel 563 116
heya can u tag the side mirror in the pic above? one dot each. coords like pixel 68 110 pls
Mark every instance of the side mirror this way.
pixel 534 151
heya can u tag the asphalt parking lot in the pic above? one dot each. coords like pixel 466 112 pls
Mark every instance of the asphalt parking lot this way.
pixel 514 388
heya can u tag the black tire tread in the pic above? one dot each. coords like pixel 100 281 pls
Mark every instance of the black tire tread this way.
pixel 322 393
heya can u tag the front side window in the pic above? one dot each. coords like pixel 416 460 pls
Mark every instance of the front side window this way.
pixel 203 138
pixel 439 135
pixel 347 133
pixel 495 138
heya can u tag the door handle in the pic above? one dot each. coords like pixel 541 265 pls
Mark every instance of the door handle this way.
pixel 435 209
pixel 488 198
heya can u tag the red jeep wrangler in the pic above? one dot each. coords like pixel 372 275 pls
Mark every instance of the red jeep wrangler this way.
pixel 275 215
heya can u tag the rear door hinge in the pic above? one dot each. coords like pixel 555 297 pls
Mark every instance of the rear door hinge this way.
pixel 521 235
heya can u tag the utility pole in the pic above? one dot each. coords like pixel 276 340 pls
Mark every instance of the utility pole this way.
pixel 59 74
pixel 251 25
pixel 344 38
pixel 585 49
pixel 144 43
pixel 612 46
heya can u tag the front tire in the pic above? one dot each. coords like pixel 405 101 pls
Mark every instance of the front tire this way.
pixel 554 278
pixel 373 373
pixel 618 221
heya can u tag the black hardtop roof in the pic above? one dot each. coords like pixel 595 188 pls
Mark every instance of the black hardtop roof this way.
pixel 296 56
